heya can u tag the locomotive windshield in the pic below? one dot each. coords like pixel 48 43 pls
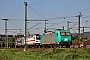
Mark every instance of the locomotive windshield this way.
pixel 62 33
pixel 31 36
pixel 19 41
pixel 65 33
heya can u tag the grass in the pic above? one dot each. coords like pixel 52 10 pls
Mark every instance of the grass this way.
pixel 55 54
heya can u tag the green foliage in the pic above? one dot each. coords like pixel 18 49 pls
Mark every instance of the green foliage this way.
pixel 55 54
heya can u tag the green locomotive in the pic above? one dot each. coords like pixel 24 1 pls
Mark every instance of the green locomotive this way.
pixel 59 38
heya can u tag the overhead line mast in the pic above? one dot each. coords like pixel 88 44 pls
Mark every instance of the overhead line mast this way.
pixel 25 24
pixel 79 25
pixel 6 37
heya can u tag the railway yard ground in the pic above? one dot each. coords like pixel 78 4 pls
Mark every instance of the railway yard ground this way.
pixel 45 54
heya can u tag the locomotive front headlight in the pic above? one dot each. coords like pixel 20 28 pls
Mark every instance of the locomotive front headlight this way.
pixel 66 39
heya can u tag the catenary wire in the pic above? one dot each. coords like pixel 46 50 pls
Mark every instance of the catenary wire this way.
pixel 14 24
pixel 36 2
pixel 37 12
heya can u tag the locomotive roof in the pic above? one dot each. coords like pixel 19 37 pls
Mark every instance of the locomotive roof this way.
pixel 63 30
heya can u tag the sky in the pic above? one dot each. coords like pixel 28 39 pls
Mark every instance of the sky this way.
pixel 57 12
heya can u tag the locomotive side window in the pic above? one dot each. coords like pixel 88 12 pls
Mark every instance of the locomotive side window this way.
pixel 57 34
pixel 31 36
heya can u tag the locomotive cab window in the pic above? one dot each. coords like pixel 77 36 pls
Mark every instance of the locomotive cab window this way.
pixel 62 33
pixel 67 33
pixel 19 41
pixel 38 37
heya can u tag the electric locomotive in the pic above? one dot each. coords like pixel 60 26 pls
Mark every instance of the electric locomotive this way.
pixel 20 40
pixel 31 41
pixel 59 38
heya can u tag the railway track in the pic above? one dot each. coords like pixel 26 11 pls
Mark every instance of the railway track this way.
pixel 30 48
pixel 23 49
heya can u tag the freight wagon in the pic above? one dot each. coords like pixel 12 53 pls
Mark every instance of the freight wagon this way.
pixel 59 38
